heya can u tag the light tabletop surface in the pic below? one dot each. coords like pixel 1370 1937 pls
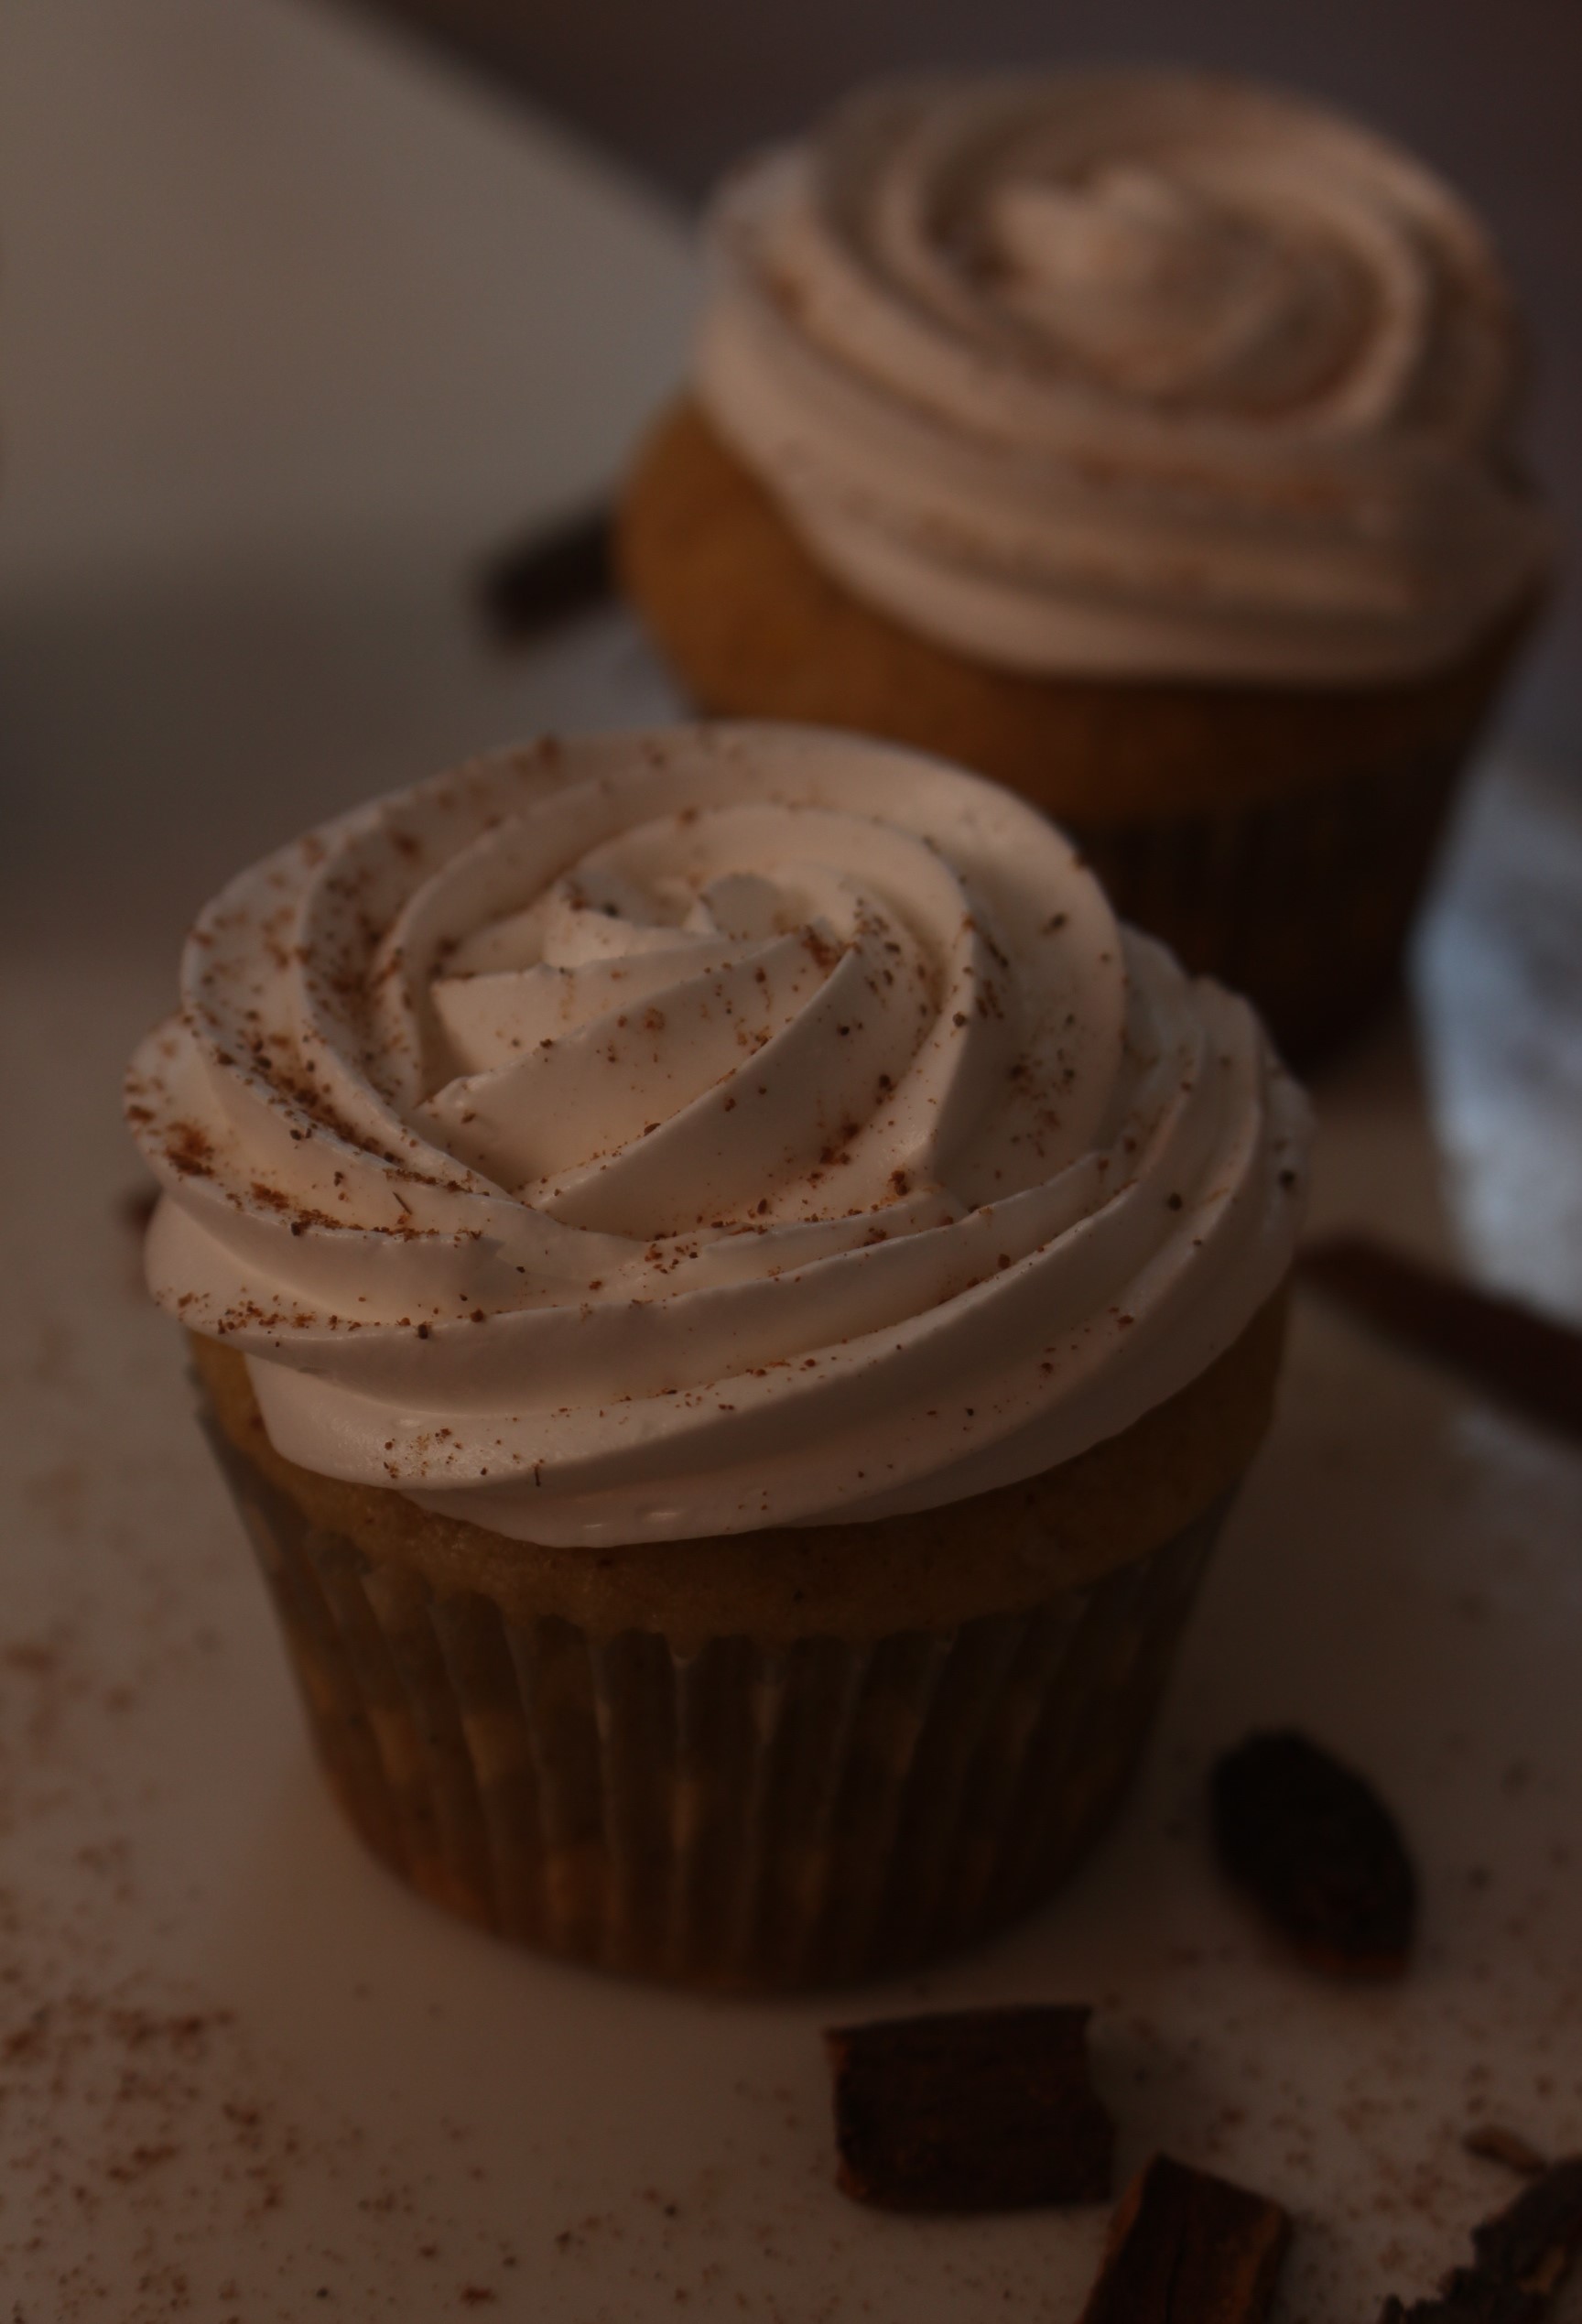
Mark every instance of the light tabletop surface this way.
pixel 292 332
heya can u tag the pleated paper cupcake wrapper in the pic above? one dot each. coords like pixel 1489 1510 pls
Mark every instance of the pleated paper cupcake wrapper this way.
pixel 740 1814
pixel 1303 903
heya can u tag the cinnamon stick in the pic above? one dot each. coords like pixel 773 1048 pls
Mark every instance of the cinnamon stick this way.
pixel 970 2111
pixel 1517 1357
pixel 1188 2248
pixel 1521 2257
pixel 558 572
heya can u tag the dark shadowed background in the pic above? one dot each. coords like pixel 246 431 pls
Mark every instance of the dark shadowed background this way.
pixel 1489 91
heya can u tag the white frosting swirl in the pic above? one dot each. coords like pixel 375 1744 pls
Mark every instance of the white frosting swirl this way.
pixel 668 1134
pixel 1127 372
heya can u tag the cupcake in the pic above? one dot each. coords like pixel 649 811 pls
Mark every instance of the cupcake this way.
pixel 1138 440
pixel 732 1297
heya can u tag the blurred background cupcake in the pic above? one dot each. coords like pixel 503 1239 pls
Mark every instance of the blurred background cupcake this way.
pixel 1143 441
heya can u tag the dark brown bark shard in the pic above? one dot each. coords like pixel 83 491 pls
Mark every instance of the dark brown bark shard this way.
pixel 970 2110
pixel 1521 2257
pixel 1187 2248
pixel 1317 1847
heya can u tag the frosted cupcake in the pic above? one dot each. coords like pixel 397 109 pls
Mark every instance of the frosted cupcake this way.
pixel 1141 440
pixel 734 1297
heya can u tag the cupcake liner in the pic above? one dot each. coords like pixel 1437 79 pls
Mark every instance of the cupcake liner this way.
pixel 740 1815
pixel 1305 902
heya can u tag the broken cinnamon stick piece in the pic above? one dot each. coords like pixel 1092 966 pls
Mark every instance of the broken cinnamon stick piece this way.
pixel 136 1208
pixel 1492 2142
pixel 1317 1847
pixel 1187 2248
pixel 1530 1362
pixel 557 574
pixel 1534 2240
pixel 1521 2257
pixel 981 2110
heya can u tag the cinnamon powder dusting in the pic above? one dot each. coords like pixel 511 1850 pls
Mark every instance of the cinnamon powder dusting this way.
pixel 158 2160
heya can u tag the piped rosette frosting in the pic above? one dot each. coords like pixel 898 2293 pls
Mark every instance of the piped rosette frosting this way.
pixel 680 1133
pixel 1127 372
